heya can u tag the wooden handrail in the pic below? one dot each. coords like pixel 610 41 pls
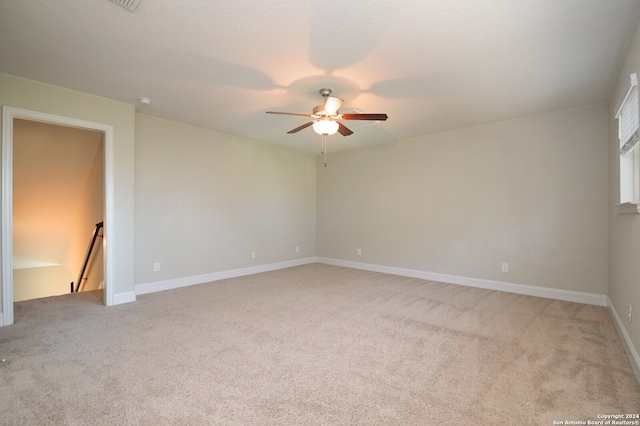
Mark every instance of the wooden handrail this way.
pixel 86 258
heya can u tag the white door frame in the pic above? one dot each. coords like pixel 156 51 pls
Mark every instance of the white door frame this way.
pixel 6 189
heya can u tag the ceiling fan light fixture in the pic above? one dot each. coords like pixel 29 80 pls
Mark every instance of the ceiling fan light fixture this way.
pixel 325 127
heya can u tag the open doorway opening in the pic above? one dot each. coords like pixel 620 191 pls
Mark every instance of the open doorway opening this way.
pixel 58 198
pixel 9 114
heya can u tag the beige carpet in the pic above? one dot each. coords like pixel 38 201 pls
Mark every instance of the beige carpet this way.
pixel 315 344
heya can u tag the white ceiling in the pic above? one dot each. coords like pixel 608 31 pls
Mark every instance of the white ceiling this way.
pixel 432 66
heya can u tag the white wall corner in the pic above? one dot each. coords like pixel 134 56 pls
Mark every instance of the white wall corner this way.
pixel 630 350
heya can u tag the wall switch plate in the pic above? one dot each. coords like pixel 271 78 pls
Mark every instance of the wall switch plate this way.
pixel 505 267
pixel 297 249
pixel 253 254
pixel 359 251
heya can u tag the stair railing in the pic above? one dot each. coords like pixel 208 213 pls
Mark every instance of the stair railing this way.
pixel 87 257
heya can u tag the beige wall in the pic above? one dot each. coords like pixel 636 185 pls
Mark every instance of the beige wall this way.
pixel 90 212
pixel 532 192
pixel 51 164
pixel 30 95
pixel 44 281
pixel 204 201
pixel 624 249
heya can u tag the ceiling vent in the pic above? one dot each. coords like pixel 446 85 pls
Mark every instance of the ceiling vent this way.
pixel 127 4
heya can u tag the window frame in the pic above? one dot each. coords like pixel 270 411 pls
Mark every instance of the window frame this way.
pixel 628 116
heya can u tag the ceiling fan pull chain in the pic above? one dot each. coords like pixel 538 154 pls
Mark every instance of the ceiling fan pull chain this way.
pixel 324 148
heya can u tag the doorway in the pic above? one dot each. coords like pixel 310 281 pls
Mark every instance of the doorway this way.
pixel 10 114
pixel 58 198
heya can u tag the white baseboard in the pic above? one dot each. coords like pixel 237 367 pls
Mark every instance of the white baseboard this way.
pixel 152 287
pixel 550 293
pixel 631 351
pixel 126 297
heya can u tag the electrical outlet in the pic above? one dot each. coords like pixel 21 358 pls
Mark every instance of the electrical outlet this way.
pixel 630 309
pixel 359 251
pixel 156 266
pixel 297 249
pixel 253 254
pixel 505 267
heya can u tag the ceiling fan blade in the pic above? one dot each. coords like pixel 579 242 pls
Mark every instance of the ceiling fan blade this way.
pixel 288 113
pixel 344 131
pixel 304 126
pixel 374 117
pixel 332 105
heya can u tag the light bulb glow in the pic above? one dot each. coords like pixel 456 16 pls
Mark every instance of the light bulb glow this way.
pixel 325 127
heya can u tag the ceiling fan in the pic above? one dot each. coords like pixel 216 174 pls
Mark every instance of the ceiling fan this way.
pixel 325 119
pixel 325 116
